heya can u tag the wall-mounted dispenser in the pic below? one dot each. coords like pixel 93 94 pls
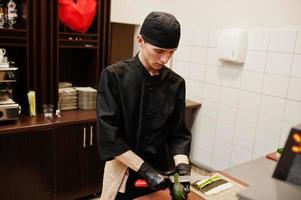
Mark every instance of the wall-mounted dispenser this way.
pixel 232 45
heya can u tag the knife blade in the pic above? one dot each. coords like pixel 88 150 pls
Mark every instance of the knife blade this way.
pixel 191 179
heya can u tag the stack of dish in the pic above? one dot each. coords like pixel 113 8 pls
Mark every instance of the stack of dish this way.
pixel 86 98
pixel 67 97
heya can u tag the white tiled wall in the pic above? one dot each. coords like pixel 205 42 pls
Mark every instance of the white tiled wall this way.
pixel 247 110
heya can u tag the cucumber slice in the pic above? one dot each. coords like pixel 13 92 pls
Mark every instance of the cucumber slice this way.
pixel 178 189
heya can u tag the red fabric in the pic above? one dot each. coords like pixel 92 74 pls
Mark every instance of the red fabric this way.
pixel 79 15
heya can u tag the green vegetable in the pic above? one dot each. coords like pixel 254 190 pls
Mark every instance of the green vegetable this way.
pixel 280 150
pixel 208 181
pixel 178 189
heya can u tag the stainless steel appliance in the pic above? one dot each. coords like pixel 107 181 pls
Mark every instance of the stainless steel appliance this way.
pixel 9 110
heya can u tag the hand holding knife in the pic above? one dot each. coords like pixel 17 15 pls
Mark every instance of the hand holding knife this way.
pixel 182 179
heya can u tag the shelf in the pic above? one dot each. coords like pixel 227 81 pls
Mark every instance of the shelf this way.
pixel 77 47
pixel 13 44
pixel 78 34
pixel 17 30
pixel 13 41
pixel 78 41
pixel 7 81
pixel 8 68
pixel 86 43
pixel 6 33
pixel 13 37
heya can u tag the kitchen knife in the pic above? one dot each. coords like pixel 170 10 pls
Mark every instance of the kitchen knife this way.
pixel 191 179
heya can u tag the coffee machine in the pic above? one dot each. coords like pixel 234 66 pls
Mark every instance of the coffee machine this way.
pixel 9 110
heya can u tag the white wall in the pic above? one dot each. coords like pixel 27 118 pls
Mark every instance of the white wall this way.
pixel 239 13
pixel 213 13
pixel 134 11
pixel 247 110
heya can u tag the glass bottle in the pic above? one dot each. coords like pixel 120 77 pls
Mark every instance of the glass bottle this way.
pixel 2 14
pixel 11 13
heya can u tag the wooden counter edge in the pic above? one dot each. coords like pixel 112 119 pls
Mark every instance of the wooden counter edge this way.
pixel 164 195
pixel 39 122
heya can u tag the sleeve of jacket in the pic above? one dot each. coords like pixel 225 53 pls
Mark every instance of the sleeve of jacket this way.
pixel 180 136
pixel 109 118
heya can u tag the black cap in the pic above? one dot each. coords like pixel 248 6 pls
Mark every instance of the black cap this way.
pixel 161 30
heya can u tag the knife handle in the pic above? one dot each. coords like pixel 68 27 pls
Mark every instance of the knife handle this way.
pixel 141 183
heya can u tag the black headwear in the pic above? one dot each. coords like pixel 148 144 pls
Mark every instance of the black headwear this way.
pixel 161 30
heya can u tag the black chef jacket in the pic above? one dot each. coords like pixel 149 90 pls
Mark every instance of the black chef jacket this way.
pixel 142 113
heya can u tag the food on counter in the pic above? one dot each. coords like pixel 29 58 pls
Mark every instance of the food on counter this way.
pixel 178 189
pixel 212 185
pixel 279 152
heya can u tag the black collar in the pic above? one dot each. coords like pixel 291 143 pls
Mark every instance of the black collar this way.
pixel 146 75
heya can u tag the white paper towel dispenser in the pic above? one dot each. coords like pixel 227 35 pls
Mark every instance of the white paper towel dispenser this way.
pixel 232 45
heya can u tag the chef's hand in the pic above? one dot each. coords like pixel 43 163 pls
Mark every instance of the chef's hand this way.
pixel 154 180
pixel 184 170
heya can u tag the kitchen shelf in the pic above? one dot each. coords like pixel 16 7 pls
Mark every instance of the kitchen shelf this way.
pixel 78 34
pixel 13 33
pixel 13 44
pixel 76 41
pixel 13 41
pixel 75 38
pixel 81 56
pixel 80 43
pixel 13 30
pixel 7 81
pixel 77 47
pixel 13 37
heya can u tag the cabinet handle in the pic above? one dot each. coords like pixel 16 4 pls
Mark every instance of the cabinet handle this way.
pixel 91 135
pixel 84 139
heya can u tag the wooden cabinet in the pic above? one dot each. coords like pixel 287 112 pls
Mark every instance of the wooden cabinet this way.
pixel 50 162
pixel 50 158
pixel 46 52
pixel 27 165
pixel 78 170
pixel 18 43
pixel 79 58
pixel 78 166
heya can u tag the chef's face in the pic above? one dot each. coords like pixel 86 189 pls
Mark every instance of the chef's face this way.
pixel 152 57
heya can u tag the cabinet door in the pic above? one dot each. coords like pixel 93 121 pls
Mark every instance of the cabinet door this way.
pixel 78 169
pixel 71 167
pixel 95 166
pixel 26 166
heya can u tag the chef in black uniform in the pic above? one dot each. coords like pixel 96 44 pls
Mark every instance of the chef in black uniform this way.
pixel 141 109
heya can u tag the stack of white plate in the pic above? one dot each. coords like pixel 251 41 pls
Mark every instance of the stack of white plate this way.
pixel 86 98
pixel 68 98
